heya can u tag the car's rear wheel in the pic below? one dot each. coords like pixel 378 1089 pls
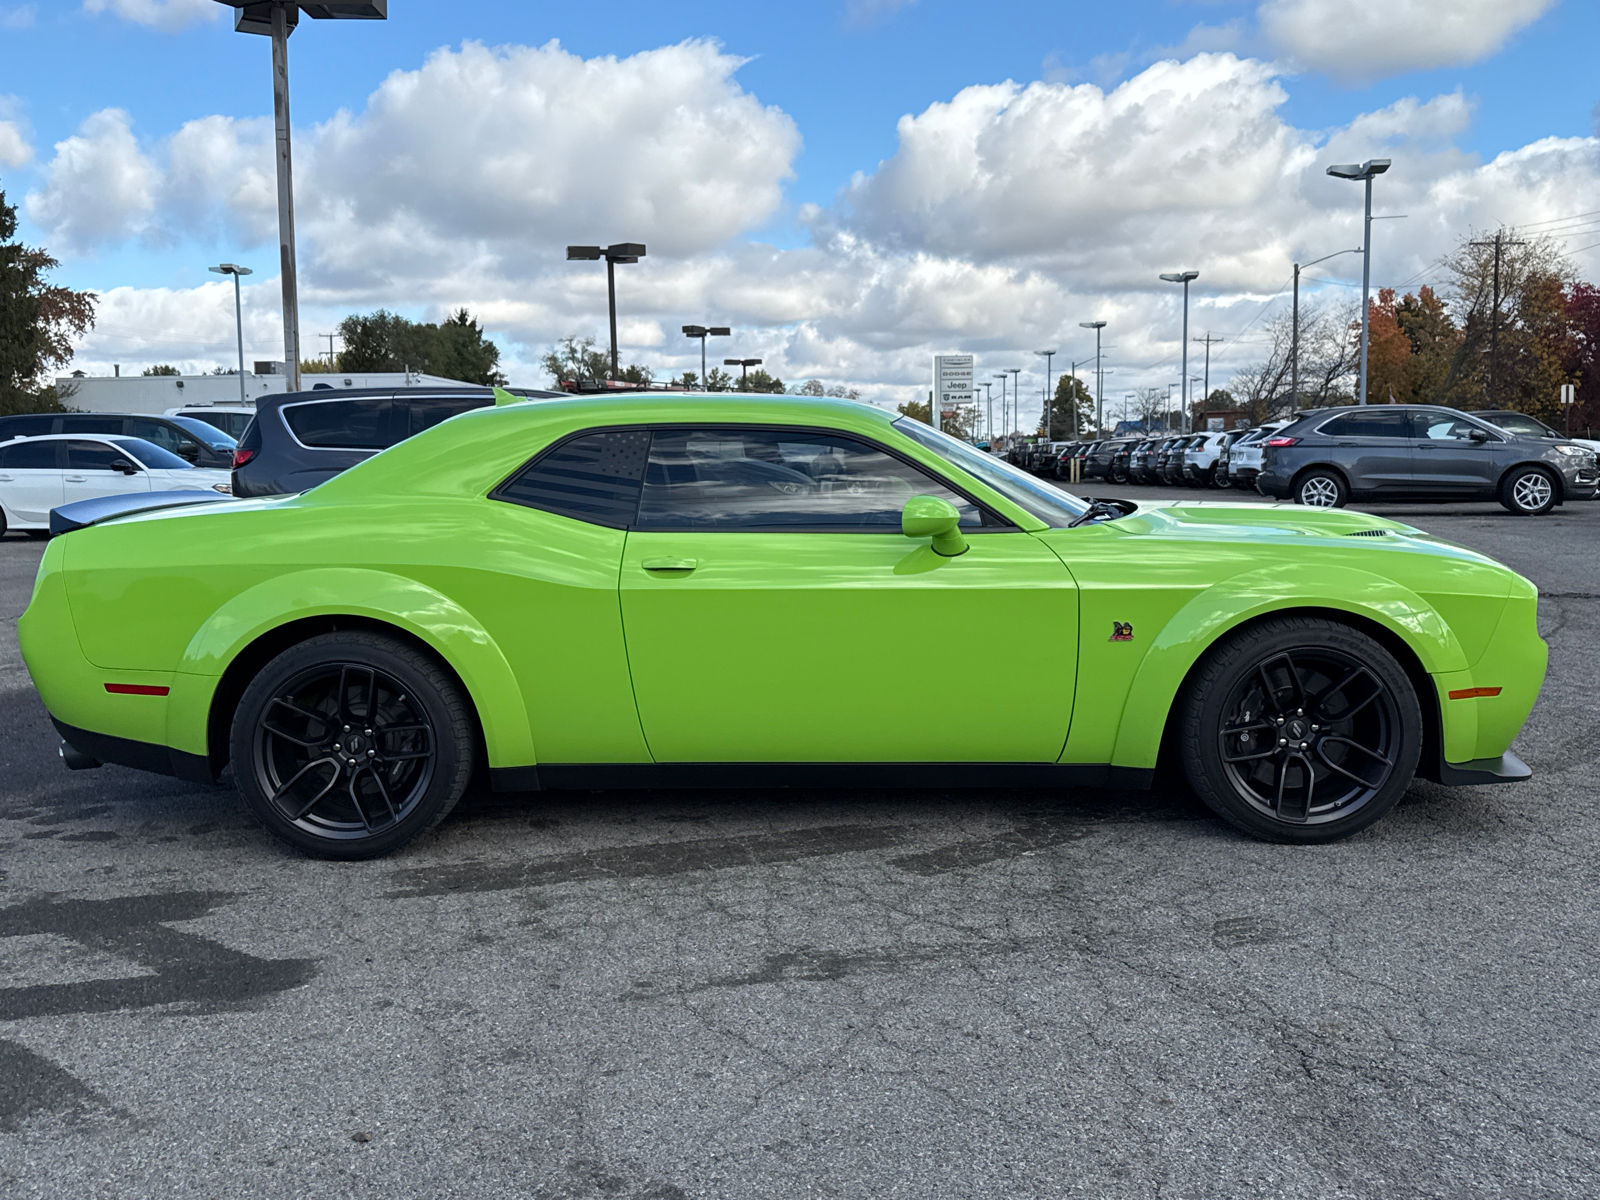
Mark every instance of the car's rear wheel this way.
pixel 349 745
pixel 1219 479
pixel 1119 474
pixel 1300 730
pixel 1529 491
pixel 1320 489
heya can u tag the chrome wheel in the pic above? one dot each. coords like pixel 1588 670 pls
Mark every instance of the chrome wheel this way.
pixel 1309 736
pixel 343 751
pixel 1319 492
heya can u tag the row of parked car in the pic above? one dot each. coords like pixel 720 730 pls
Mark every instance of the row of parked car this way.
pixel 1327 457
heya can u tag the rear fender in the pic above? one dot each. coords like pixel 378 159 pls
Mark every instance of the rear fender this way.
pixel 434 618
pixel 1233 602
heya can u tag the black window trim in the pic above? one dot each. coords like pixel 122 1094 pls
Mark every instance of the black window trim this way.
pixel 496 492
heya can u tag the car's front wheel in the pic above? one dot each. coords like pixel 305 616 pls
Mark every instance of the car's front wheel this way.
pixel 349 745
pixel 1300 729
pixel 1529 491
pixel 1320 489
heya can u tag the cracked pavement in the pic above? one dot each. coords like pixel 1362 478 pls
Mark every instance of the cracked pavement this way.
pixel 866 994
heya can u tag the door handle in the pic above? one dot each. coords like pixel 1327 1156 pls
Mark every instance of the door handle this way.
pixel 669 564
pixel 5 479
pixel 75 478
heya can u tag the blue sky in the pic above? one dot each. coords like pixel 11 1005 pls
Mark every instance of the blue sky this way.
pixel 843 74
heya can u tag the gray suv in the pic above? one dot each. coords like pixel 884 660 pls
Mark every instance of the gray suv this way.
pixel 1418 452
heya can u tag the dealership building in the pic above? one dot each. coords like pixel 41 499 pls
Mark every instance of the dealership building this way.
pixel 157 393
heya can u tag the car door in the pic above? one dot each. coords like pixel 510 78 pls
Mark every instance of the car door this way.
pixel 1372 446
pixel 30 480
pixel 1448 458
pixel 90 474
pixel 774 612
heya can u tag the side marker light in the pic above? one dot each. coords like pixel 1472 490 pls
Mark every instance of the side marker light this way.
pixel 136 689
pixel 1473 693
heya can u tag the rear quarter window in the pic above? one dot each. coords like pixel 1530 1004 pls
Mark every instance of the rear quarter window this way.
pixel 360 423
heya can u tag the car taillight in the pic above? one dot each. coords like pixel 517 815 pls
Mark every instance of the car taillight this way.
pixel 240 457
pixel 1281 441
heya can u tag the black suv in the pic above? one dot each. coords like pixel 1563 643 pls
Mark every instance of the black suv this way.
pixel 191 440
pixel 1419 452
pixel 301 439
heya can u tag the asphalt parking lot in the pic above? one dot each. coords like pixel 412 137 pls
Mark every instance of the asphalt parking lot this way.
pixel 789 993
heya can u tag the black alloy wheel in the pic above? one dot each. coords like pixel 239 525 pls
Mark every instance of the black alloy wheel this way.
pixel 1529 491
pixel 349 745
pixel 1300 729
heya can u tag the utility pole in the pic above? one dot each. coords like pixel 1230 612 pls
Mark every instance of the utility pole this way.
pixel 1016 397
pixel 330 337
pixel 1499 243
pixel 1049 411
pixel 1205 380
pixel 1099 374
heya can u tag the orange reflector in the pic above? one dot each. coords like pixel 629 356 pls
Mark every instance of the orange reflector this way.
pixel 1474 693
pixel 136 689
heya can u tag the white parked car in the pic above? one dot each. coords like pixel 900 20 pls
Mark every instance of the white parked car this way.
pixel 41 473
pixel 1244 456
pixel 1200 458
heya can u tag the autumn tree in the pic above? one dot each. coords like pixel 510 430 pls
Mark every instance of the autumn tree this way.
pixel 1583 354
pixel 38 321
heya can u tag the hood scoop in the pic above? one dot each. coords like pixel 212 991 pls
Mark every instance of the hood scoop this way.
pixel 1370 533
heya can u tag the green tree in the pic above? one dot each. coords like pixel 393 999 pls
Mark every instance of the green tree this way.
pixel 161 369
pixel 963 424
pixel 759 381
pixel 575 360
pixel 1072 410
pixel 37 321
pixel 811 387
pixel 718 380
pixel 385 341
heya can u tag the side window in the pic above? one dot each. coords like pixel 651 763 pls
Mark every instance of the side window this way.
pixel 89 423
pixel 773 479
pixel 357 424
pixel 28 426
pixel 29 456
pixel 1368 424
pixel 159 432
pixel 91 456
pixel 592 478
pixel 1442 427
pixel 426 413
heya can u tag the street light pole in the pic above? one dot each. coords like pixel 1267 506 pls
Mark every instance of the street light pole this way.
pixel 743 364
pixel 238 313
pixel 1099 377
pixel 988 421
pixel 1016 397
pixel 277 19
pixel 1294 326
pixel 1363 172
pixel 1184 277
pixel 1049 412
pixel 619 252
pixel 1002 378
pixel 703 332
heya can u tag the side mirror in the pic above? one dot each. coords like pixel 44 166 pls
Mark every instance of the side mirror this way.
pixel 123 465
pixel 188 451
pixel 931 517
pixel 1479 435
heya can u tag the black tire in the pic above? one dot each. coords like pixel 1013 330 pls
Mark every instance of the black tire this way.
pixel 326 775
pixel 1119 475
pixel 1320 488
pixel 1529 491
pixel 1294 697
pixel 1220 480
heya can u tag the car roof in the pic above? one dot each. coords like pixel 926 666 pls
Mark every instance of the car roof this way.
pixel 280 399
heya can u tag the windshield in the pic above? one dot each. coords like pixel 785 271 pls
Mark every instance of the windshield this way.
pixel 1054 507
pixel 207 433
pixel 1522 426
pixel 150 454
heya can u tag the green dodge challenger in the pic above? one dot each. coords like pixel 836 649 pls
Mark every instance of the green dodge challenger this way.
pixel 695 590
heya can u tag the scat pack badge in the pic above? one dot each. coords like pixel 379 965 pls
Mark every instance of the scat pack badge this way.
pixel 1121 631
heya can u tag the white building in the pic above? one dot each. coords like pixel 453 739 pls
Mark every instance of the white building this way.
pixel 157 393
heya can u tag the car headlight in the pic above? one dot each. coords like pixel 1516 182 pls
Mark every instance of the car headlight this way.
pixel 1576 452
pixel 225 488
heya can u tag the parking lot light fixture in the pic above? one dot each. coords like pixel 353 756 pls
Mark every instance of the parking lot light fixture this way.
pixel 277 19
pixel 1049 411
pixel 703 332
pixel 1294 325
pixel 1184 277
pixel 1363 173
pixel 1016 398
pixel 744 364
pixel 1002 378
pixel 620 252
pixel 236 270
pixel 1099 375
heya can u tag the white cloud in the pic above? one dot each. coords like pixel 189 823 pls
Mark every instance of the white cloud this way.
pixel 166 15
pixel 1371 39
pixel 100 186
pixel 19 16
pixel 15 150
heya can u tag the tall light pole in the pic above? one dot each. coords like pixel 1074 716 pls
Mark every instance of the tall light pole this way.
pixel 988 421
pixel 1002 378
pixel 621 252
pixel 1049 413
pixel 1016 397
pixel 236 270
pixel 1099 378
pixel 277 19
pixel 1363 172
pixel 743 364
pixel 703 332
pixel 1184 277
pixel 1294 325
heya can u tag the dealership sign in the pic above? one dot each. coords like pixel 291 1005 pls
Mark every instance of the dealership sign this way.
pixel 952 382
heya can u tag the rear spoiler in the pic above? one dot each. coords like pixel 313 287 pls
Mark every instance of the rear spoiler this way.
pixel 83 513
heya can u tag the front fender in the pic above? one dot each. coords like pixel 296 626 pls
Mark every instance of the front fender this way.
pixel 453 633
pixel 1231 603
